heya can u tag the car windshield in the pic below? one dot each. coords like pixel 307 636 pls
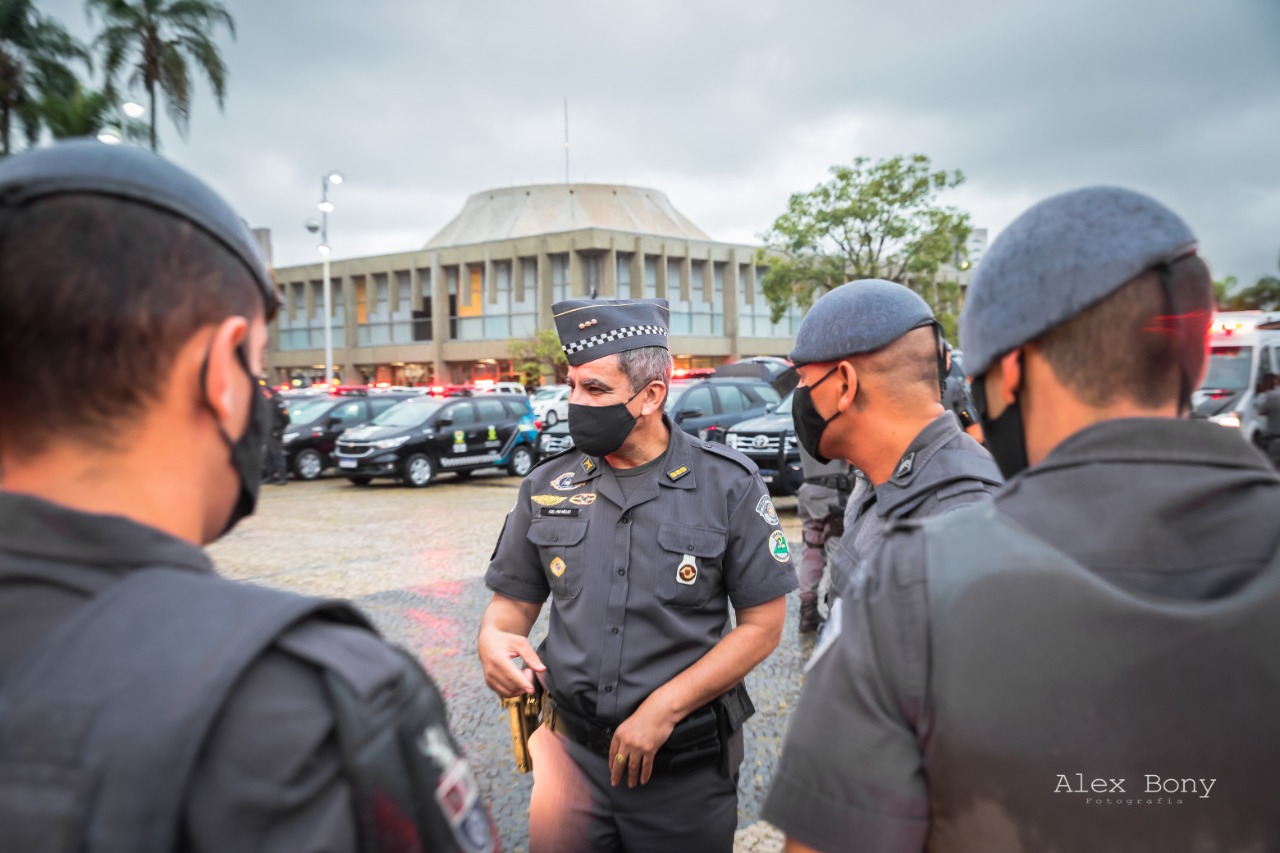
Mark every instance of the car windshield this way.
pixel 784 408
pixel 410 413
pixel 1229 369
pixel 306 411
pixel 547 394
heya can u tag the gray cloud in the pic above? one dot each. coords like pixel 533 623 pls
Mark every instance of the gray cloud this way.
pixel 729 107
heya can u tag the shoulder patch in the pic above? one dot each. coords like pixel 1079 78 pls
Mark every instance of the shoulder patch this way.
pixel 728 452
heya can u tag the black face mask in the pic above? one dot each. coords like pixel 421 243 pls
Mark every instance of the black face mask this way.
pixel 246 452
pixel 1004 435
pixel 601 430
pixel 809 423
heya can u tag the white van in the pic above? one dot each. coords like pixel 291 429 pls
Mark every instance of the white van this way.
pixel 1244 361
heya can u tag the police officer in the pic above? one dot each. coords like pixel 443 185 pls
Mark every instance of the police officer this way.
pixel 820 503
pixel 642 536
pixel 956 396
pixel 146 704
pixel 1086 662
pixel 869 359
pixel 277 470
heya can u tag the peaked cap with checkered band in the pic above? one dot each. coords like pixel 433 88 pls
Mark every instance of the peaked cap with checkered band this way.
pixel 593 328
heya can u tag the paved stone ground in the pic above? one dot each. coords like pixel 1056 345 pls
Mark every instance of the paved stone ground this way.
pixel 414 560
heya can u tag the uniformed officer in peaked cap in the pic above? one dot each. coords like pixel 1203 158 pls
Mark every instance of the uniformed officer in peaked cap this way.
pixel 147 704
pixel 870 362
pixel 642 536
pixel 1088 658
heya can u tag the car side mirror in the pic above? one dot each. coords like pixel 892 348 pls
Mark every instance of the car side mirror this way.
pixel 688 413
pixel 444 422
pixel 768 409
pixel 333 421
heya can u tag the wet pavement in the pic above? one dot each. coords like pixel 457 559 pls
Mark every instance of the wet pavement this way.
pixel 414 561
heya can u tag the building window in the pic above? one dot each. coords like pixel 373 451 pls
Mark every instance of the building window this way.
pixel 422 313
pixel 524 299
pixel 623 268
pixel 559 277
pixel 681 309
pixel 650 277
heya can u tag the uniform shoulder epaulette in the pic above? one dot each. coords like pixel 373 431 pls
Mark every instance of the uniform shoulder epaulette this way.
pixel 729 453
pixel 544 460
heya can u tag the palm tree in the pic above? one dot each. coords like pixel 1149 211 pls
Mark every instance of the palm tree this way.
pixel 34 51
pixel 156 38
pixel 89 112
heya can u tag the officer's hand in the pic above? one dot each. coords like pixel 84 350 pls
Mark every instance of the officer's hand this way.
pixel 637 740
pixel 498 653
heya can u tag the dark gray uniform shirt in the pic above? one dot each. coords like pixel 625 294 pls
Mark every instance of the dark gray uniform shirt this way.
pixel 640 585
pixel 1158 507
pixel 943 468
pixel 270 776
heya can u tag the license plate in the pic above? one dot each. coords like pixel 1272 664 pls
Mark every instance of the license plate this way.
pixel 768 478
pixel 348 463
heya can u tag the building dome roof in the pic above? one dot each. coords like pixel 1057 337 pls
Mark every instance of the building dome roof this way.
pixel 516 212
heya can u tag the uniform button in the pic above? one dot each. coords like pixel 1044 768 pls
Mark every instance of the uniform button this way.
pixel 615 630
pixel 690 546
pixel 609 689
pixel 555 537
pixel 621 572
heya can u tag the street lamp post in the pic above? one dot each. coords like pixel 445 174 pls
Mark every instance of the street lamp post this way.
pixel 326 207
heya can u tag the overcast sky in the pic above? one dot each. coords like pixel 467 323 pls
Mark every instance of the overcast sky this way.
pixel 729 107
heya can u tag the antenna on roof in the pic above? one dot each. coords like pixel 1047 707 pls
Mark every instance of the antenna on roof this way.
pixel 566 139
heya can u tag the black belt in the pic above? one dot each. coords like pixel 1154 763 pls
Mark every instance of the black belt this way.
pixel 694 739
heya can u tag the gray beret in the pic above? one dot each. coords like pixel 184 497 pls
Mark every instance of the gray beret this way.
pixel 1058 258
pixel 857 317
pixel 593 328
pixel 89 167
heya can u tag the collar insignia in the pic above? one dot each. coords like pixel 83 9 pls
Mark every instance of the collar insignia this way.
pixel 905 466
pixel 678 473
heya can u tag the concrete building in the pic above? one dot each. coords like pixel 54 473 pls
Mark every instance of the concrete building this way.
pixel 445 313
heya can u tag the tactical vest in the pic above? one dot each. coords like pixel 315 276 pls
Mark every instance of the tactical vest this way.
pixel 1068 713
pixel 102 723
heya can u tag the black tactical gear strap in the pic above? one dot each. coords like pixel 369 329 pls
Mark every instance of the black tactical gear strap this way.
pixel 101 723
pixel 412 789
pixel 1178 324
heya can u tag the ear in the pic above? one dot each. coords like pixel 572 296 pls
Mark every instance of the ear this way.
pixel 655 397
pixel 224 378
pixel 849 376
pixel 1009 380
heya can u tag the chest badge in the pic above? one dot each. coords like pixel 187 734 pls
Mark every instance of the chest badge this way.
pixel 778 547
pixel 564 483
pixel 688 571
pixel 584 499
pixel 548 500
pixel 558 567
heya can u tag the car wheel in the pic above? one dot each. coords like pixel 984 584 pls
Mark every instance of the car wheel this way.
pixel 418 470
pixel 360 481
pixel 308 464
pixel 552 418
pixel 521 461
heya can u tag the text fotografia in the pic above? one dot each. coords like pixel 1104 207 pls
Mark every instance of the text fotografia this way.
pixel 1156 788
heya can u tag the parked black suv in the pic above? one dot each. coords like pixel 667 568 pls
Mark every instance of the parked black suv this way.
pixel 424 436
pixel 708 407
pixel 316 422
pixel 770 442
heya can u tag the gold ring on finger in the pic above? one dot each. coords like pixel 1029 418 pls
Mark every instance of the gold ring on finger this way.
pixel 620 758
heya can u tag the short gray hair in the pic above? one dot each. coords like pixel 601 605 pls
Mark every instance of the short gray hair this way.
pixel 644 365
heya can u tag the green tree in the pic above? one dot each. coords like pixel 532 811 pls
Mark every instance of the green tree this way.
pixel 35 52
pixel 1222 290
pixel 156 39
pixel 88 112
pixel 538 356
pixel 870 220
pixel 1262 295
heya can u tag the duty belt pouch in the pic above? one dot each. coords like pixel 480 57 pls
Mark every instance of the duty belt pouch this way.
pixel 732 710
pixel 694 740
